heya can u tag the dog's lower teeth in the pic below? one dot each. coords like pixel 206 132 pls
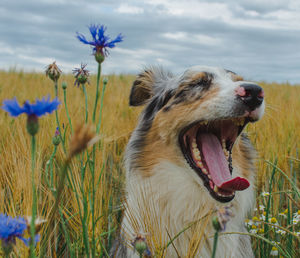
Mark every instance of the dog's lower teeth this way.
pixel 204 171
pixel 216 189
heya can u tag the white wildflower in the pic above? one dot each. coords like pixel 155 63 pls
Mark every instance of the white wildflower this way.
pixel 274 251
pixel 265 194
pixel 282 215
pixel 281 232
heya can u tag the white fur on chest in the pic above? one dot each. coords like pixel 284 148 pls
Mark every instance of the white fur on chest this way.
pixel 171 199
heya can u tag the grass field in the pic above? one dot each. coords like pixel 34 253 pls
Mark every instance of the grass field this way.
pixel 276 137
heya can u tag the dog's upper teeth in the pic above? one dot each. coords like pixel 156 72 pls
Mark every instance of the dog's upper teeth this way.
pixel 199 164
pixel 194 144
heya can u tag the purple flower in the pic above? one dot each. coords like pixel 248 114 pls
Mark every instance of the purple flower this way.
pixel 100 42
pixel 81 75
pixel 39 108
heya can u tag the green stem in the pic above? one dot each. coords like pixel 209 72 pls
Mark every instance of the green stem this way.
pixel 60 187
pixel 272 243
pixel 97 92
pixel 57 120
pixel 286 177
pixel 183 230
pixel 86 103
pixel 101 106
pixel 51 166
pixel 93 202
pixel 215 244
pixel 67 111
pixel 49 163
pixel 93 164
pixel 34 202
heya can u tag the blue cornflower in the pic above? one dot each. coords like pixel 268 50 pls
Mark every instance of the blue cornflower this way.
pixel 41 107
pixel 100 41
pixel 12 228
pixel 33 111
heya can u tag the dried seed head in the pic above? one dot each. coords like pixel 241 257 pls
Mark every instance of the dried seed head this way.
pixel 53 72
pixel 83 137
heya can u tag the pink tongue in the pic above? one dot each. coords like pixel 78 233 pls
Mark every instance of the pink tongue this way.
pixel 218 165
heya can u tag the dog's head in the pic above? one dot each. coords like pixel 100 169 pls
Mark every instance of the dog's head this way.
pixel 194 120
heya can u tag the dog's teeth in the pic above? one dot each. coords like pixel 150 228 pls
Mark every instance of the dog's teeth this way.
pixel 204 171
pixel 216 189
pixel 197 156
pixel 209 176
pixel 199 163
pixel 194 144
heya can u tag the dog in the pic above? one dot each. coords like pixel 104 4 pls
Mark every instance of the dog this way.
pixel 187 158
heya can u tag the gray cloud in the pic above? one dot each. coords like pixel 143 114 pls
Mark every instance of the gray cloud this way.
pixel 254 38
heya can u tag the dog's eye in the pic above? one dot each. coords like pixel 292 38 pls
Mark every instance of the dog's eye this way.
pixel 204 82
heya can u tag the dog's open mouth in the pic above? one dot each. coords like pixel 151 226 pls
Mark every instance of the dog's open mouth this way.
pixel 207 146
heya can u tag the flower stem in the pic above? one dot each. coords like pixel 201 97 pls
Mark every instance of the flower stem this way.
pixel 60 187
pixel 93 165
pixel 86 103
pixel 34 204
pixel 67 111
pixel 97 92
pixel 215 244
pixel 101 106
pixel 57 120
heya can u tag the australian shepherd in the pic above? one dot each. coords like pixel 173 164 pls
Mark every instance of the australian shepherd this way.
pixel 189 157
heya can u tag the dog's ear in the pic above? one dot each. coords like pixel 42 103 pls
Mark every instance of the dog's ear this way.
pixel 142 88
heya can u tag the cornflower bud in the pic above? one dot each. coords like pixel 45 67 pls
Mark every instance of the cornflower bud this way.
pixel 140 245
pixel 64 85
pixel 56 137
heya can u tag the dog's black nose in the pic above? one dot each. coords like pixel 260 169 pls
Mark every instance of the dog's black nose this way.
pixel 251 94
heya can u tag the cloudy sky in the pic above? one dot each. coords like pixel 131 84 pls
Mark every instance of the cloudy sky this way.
pixel 259 39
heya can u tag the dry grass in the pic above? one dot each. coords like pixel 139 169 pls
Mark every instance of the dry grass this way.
pixel 277 136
